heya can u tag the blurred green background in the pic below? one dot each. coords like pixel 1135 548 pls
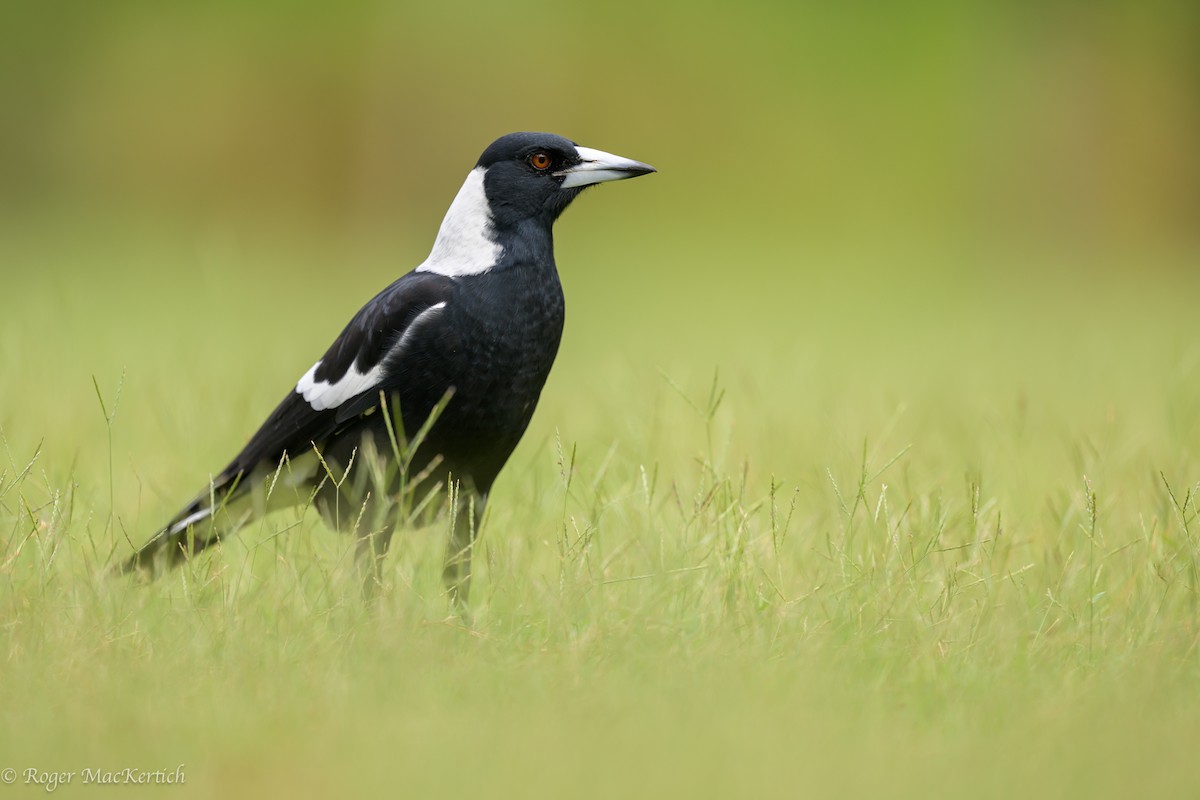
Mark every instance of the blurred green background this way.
pixel 845 125
pixel 924 186
pixel 963 232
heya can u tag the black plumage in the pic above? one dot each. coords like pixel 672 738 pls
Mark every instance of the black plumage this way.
pixel 471 333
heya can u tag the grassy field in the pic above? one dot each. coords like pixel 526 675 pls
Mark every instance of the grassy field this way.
pixel 870 464
pixel 824 528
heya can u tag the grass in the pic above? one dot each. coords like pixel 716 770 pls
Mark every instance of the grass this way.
pixel 843 529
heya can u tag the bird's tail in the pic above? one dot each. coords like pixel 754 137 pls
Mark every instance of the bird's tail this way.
pixel 189 532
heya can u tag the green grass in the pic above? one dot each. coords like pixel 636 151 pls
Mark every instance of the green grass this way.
pixel 938 537
pixel 851 527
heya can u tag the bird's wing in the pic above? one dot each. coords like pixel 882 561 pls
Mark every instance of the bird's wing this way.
pixel 351 371
pixel 342 385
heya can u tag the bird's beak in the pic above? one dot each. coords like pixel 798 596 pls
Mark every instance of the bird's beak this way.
pixel 598 166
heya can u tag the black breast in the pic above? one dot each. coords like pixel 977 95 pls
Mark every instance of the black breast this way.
pixel 495 346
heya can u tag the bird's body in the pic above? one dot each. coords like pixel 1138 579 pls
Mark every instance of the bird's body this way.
pixel 468 337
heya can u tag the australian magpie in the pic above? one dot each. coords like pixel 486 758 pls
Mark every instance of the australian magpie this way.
pixel 449 360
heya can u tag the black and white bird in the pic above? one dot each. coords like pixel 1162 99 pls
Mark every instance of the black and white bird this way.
pixel 464 341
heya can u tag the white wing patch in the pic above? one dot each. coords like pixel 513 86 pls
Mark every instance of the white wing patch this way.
pixel 465 243
pixel 323 395
pixel 190 520
pixel 411 330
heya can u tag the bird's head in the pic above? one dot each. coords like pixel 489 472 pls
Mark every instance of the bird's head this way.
pixel 510 200
pixel 537 175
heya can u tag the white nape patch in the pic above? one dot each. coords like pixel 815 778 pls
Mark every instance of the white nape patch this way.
pixel 323 395
pixel 464 244
pixel 191 519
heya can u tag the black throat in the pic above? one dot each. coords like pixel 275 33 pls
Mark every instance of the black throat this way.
pixel 528 243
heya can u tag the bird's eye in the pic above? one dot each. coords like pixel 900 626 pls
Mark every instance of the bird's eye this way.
pixel 540 161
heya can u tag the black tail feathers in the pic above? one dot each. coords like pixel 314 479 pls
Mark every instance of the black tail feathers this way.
pixel 191 531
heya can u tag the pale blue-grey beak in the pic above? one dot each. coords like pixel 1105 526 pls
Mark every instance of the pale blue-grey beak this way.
pixel 598 166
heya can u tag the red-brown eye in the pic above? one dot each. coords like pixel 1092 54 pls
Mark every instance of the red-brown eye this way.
pixel 540 161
